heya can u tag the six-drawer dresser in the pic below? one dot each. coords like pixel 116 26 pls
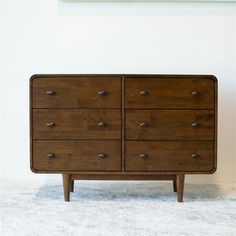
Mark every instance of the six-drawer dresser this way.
pixel 123 127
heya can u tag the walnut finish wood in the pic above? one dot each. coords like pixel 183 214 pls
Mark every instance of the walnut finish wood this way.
pixel 174 186
pixel 169 156
pixel 170 124
pixel 79 92
pixel 123 176
pixel 180 187
pixel 123 125
pixel 170 92
pixel 72 186
pixel 66 186
pixel 77 124
pixel 80 155
pixel 65 111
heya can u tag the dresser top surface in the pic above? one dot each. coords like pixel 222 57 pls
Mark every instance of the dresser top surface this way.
pixel 158 76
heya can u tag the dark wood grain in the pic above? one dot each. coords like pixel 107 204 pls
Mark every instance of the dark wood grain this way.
pixel 180 186
pixel 170 124
pixel 76 124
pixel 79 92
pixel 77 155
pixel 174 186
pixel 168 107
pixel 124 176
pixel 123 125
pixel 72 186
pixel 170 93
pixel 169 156
pixel 66 178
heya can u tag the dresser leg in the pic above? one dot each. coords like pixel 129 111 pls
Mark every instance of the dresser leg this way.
pixel 66 186
pixel 174 186
pixel 72 185
pixel 180 186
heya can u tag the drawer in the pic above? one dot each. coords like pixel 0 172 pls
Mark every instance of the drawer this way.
pixel 77 92
pixel 81 155
pixel 76 124
pixel 170 92
pixel 170 124
pixel 169 156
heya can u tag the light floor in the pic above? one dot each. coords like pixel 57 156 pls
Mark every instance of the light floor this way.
pixel 116 208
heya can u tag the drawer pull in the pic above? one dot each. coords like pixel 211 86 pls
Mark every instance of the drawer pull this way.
pixel 102 124
pixel 143 155
pixel 101 155
pixel 195 125
pixel 143 125
pixel 50 93
pixel 102 93
pixel 195 156
pixel 51 155
pixel 195 93
pixel 143 93
pixel 50 124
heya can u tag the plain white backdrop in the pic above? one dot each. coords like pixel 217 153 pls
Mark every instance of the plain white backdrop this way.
pixel 48 36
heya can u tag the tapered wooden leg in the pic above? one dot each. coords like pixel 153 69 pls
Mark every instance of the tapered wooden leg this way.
pixel 174 186
pixel 180 186
pixel 72 185
pixel 66 186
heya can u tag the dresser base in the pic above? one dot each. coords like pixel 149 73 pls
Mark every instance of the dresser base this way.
pixel 68 181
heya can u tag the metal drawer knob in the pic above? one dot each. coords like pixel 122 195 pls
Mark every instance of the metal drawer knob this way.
pixel 102 124
pixel 143 93
pixel 195 156
pixel 195 125
pixel 101 155
pixel 195 93
pixel 51 155
pixel 50 124
pixel 143 155
pixel 50 93
pixel 143 125
pixel 102 93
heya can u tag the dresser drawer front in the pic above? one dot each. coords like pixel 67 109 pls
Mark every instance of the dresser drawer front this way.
pixel 170 124
pixel 170 92
pixel 77 92
pixel 169 156
pixel 76 124
pixel 81 155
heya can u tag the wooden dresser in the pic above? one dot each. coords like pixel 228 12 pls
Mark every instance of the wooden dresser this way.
pixel 123 127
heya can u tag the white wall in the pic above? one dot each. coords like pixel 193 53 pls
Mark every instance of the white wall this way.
pixel 46 36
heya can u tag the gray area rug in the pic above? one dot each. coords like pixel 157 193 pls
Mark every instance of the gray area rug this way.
pixel 117 209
